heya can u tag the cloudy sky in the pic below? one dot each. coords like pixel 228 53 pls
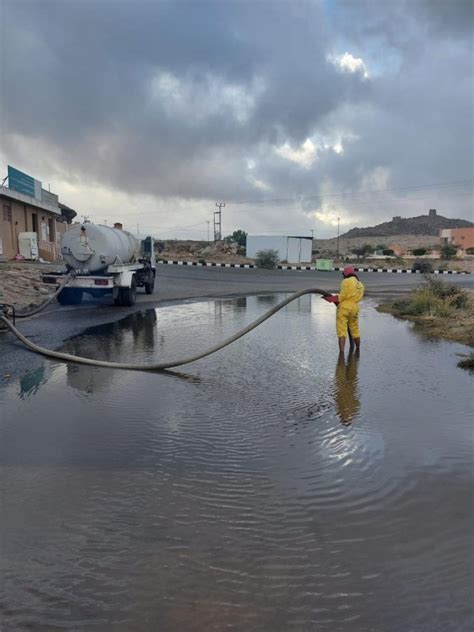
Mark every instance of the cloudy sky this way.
pixel 293 113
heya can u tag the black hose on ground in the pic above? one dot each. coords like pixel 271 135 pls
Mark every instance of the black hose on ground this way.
pixel 160 366
pixel 51 298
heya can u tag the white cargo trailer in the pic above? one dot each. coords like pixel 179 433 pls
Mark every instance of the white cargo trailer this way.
pixel 293 249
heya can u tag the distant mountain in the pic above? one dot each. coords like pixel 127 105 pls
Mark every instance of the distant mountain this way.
pixel 422 225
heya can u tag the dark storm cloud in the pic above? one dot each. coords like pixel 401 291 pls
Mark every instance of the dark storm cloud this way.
pixel 80 74
pixel 175 98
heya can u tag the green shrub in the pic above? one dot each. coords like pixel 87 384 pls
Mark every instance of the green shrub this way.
pixel 470 251
pixel 419 252
pixel 422 266
pixel 363 251
pixel 266 259
pixel 425 303
pixel 239 236
pixel 443 290
pixel 448 252
pixel 388 252
pixel 437 298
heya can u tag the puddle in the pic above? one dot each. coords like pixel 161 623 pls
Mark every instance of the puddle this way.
pixel 267 487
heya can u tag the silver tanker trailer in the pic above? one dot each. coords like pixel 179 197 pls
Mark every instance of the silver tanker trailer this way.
pixel 104 260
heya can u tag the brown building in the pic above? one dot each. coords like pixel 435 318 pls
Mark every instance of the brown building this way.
pixel 461 238
pixel 20 213
pixel 397 249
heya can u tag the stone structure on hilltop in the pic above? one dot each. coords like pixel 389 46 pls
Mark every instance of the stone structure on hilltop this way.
pixel 429 224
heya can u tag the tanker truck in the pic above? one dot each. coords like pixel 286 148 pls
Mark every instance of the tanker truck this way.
pixel 104 260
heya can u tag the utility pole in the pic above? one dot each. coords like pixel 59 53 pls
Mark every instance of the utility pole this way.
pixel 312 233
pixel 207 222
pixel 338 237
pixel 218 221
pixel 105 222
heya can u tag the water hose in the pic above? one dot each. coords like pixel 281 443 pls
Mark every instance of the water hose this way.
pixel 160 366
pixel 50 298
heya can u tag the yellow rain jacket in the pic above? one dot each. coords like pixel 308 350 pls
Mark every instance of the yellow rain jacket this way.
pixel 347 317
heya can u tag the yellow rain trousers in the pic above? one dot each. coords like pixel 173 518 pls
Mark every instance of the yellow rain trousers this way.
pixel 347 317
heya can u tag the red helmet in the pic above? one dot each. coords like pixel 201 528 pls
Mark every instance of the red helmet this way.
pixel 348 270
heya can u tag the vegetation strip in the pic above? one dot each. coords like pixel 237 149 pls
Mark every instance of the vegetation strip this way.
pixel 213 264
pixel 439 309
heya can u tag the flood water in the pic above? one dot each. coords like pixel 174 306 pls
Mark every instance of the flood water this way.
pixel 267 487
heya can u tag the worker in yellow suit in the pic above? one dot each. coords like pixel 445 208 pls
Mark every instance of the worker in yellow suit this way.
pixel 347 316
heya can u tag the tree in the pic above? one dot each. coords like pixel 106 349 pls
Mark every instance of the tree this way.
pixel 266 258
pixel 239 236
pixel 364 250
pixel 448 251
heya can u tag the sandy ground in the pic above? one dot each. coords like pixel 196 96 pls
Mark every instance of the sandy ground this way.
pixel 20 283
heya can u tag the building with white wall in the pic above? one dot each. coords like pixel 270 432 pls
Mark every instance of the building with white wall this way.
pixel 293 249
pixel 28 209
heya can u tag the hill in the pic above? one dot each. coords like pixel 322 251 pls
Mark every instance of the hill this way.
pixel 429 224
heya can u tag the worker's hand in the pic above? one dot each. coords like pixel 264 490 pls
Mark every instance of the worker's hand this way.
pixel 332 299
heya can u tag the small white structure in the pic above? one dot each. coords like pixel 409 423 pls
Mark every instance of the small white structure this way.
pixel 28 245
pixel 289 248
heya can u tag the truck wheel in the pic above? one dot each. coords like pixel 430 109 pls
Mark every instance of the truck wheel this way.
pixel 128 295
pixel 70 296
pixel 150 285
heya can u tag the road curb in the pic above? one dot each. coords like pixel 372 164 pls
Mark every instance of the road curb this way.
pixel 211 264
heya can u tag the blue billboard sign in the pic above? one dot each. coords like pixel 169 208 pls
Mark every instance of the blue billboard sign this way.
pixel 21 182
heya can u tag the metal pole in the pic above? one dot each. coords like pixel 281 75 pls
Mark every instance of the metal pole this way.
pixel 220 206
pixel 207 222
pixel 216 226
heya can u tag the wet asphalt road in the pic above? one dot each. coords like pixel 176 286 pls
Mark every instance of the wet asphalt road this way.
pixel 177 283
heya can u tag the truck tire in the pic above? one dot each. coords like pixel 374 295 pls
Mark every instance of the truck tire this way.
pixel 70 296
pixel 150 284
pixel 127 296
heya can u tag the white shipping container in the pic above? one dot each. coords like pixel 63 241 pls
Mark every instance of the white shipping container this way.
pixel 290 249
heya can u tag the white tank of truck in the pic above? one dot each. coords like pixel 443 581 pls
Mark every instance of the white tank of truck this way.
pixel 92 248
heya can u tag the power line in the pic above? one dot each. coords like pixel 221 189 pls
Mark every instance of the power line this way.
pixel 356 198
pixel 303 198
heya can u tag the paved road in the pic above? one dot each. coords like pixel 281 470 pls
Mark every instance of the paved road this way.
pixel 177 282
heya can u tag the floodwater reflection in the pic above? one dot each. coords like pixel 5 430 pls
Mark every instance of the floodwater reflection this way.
pixel 346 388
pixel 239 497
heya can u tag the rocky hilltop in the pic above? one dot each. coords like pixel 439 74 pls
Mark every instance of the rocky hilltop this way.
pixel 429 224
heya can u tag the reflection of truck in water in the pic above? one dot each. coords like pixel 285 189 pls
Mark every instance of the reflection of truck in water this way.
pixel 104 260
